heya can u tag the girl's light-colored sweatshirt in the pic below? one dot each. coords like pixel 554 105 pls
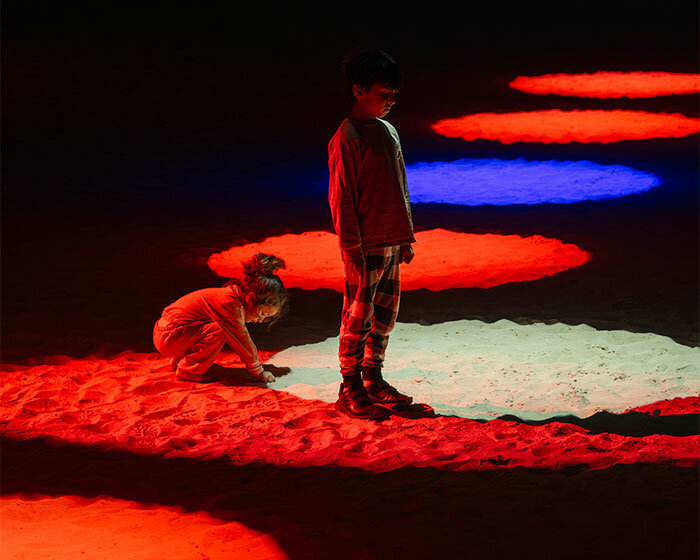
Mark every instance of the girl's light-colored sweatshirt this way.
pixel 223 306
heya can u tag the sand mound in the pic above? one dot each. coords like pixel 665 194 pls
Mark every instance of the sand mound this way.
pixel 133 403
pixel 610 84
pixel 556 126
pixel 444 260
pixel 472 182
pixel 72 526
pixel 479 370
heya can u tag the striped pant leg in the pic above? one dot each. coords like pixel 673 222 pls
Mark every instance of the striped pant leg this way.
pixel 386 308
pixel 370 305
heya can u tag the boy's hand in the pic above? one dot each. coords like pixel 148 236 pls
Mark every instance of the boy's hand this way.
pixel 406 254
pixel 358 264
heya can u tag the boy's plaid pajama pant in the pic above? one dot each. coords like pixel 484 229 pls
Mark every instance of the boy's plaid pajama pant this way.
pixel 370 307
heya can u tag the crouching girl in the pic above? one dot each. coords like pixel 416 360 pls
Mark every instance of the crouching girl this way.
pixel 193 330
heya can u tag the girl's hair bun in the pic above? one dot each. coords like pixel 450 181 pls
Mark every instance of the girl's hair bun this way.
pixel 263 265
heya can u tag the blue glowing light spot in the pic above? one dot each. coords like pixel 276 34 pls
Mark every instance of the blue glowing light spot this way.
pixel 474 182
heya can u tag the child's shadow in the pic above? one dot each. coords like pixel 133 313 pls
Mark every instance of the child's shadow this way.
pixel 241 377
pixel 415 411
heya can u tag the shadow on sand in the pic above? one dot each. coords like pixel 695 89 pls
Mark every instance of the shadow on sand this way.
pixel 634 424
pixel 632 511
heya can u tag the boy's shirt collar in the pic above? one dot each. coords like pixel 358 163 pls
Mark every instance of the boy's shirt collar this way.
pixel 373 122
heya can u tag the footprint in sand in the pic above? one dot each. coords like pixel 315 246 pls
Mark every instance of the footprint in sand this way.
pixel 155 387
pixel 41 405
pixel 215 415
pixel 182 443
pixel 159 415
pixel 70 418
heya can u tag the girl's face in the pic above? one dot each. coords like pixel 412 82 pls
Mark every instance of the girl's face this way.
pixel 258 313
pixel 266 311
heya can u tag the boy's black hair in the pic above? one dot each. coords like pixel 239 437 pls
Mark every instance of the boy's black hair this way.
pixel 369 66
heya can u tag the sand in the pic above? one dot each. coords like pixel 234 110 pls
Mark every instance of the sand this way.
pixel 479 370
pixel 120 438
pixel 133 161
pixel 527 425
pixel 446 259
pixel 31 525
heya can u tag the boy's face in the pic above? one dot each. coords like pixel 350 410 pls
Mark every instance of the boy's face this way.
pixel 376 101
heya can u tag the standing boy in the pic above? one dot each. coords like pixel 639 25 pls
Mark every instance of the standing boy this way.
pixel 371 213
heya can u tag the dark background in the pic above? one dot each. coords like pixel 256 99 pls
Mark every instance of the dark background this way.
pixel 139 138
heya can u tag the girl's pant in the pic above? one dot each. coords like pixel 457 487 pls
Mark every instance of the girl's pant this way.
pixel 370 307
pixel 197 345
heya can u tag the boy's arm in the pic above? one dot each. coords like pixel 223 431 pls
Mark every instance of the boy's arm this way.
pixel 406 253
pixel 342 197
pixel 405 191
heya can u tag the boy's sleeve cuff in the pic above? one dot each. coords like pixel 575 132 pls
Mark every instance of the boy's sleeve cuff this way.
pixel 353 254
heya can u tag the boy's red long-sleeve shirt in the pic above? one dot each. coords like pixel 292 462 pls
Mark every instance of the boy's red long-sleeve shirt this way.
pixel 367 192
pixel 223 306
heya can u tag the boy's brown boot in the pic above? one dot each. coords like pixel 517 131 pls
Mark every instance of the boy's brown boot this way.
pixel 353 401
pixel 380 392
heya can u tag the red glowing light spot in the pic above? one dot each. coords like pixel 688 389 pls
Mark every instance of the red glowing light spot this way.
pixel 114 528
pixel 444 260
pixel 555 126
pixel 610 84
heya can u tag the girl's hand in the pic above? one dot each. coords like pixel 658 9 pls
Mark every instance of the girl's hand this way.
pixel 267 377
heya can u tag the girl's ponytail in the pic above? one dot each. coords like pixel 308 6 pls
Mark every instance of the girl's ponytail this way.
pixel 260 278
pixel 262 265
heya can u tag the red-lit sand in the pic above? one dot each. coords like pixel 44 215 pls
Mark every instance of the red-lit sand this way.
pixel 42 526
pixel 555 126
pixel 444 259
pixel 610 84
pixel 120 420
pixel 480 370
pixel 112 457
pixel 133 402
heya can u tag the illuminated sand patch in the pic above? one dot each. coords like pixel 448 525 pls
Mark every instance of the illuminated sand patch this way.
pixel 493 181
pixel 478 370
pixel 610 84
pixel 555 126
pixel 75 527
pixel 133 404
pixel 444 259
